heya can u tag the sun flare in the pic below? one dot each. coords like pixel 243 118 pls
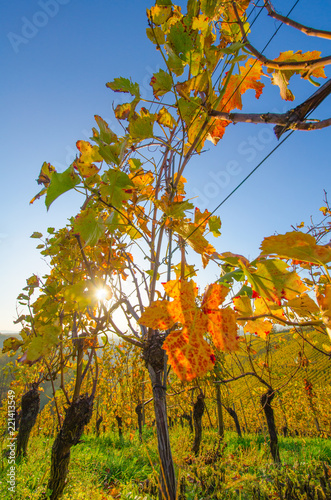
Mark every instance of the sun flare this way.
pixel 102 294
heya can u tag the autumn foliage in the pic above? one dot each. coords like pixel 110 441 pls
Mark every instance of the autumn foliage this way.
pixel 136 224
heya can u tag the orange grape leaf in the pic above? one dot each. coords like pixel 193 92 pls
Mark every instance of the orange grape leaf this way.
pixel 157 316
pixel 260 327
pixel 214 296
pixel 201 218
pixel 223 328
pixel 189 354
pixel 296 245
pixel 183 308
pixel 248 78
pixel 216 130
pixel 143 182
pixel 163 314
pixel 181 290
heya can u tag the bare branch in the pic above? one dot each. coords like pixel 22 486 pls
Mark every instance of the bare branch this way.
pixel 123 336
pixel 304 29
pixel 253 374
pixel 276 118
pixel 293 119
pixel 309 65
pixel 281 320
pixel 180 392
pixel 86 262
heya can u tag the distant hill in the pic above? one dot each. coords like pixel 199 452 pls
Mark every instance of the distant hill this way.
pixel 286 353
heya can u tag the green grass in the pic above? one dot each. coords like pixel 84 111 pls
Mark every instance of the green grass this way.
pixel 237 468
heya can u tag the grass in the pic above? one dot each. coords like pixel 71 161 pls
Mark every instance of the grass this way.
pixel 237 468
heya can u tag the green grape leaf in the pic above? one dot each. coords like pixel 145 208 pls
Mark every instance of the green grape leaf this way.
pixel 161 83
pixel 124 85
pixel 117 187
pixel 141 126
pixel 60 183
pixel 89 226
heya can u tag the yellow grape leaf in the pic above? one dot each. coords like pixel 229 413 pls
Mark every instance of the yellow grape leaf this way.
pixel 290 56
pixel 42 344
pixel 303 305
pixel 248 78
pixel 143 182
pixel 298 246
pixel 185 291
pixel 88 154
pixel 234 259
pixel 33 281
pixel 261 327
pixel 241 6
pixel 243 306
pixel 282 77
pixel 189 354
pixel 266 306
pixel 159 14
pixel 271 280
pixel 204 218
pixel 325 211
pixel 324 301
pixel 45 174
pixel 165 118
pixel 11 344
pixel 199 83
pixel 188 272
pixel 193 234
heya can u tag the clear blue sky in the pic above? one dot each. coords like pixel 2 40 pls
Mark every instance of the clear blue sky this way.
pixel 56 57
